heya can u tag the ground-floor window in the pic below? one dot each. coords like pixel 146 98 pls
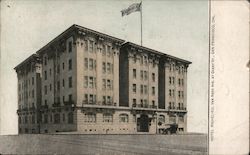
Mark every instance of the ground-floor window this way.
pixel 90 117
pixel 123 118
pixel 172 119
pixel 161 119
pixel 107 117
pixel 181 119
pixel 56 118
pixel 70 118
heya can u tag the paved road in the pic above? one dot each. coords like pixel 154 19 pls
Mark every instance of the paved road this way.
pixel 104 144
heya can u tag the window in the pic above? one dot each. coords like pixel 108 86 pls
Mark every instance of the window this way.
pixel 91 82
pixel 172 119
pixel 103 84
pixel 173 80
pixel 182 94
pixel 63 66
pixel 153 103
pixel 134 102
pixel 179 94
pixel 108 84
pixel 58 69
pixel 91 46
pixel 109 51
pixel 91 98
pixel 108 67
pixel 104 99
pixel 141 75
pixel 70 97
pixel 45 75
pixel 90 117
pixel 70 64
pixel 182 82
pixel 85 82
pixel 86 45
pixel 153 77
pixel 104 67
pixel 170 92
pixel 107 117
pixel 161 118
pixel 50 71
pixel 33 93
pixel 179 82
pixel 70 118
pixel 109 99
pixel 63 116
pixel 50 87
pixel 141 89
pixel 56 118
pixel 86 98
pixel 45 118
pixel 134 88
pixel 45 90
pixel 170 80
pixel 104 50
pixel 63 83
pixel 32 81
pixel 134 73
pixel 86 63
pixel 70 82
pixel 58 85
pixel 123 118
pixel 145 89
pixel 145 102
pixel 91 64
pixel 181 119
pixel 153 90
pixel 45 61
pixel 173 92
pixel 145 75
pixel 70 46
pixel 33 119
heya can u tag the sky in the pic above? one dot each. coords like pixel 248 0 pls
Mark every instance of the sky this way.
pixel 178 28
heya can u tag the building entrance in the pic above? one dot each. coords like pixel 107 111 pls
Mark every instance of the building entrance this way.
pixel 143 123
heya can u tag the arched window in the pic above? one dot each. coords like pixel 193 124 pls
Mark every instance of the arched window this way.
pixel 123 118
pixel 70 118
pixel 161 118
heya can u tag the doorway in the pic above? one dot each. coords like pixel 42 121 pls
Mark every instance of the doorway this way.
pixel 143 123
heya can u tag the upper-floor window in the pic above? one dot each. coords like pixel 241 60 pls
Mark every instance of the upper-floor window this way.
pixel 103 84
pixel 134 101
pixel 70 46
pixel 70 82
pixel 58 85
pixel 141 89
pixel 91 46
pixel 70 64
pixel 170 92
pixel 134 88
pixel 141 75
pixel 86 64
pixel 109 67
pixel 45 90
pixel 145 75
pixel 109 51
pixel 32 81
pixel 145 89
pixel 45 75
pixel 45 61
pixel 104 67
pixel 33 93
pixel 134 73
pixel 103 50
pixel 153 77
pixel 63 65
pixel 153 90
pixel 70 97
pixel 109 85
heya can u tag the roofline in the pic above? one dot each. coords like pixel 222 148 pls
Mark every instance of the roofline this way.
pixel 156 52
pixel 79 27
pixel 26 60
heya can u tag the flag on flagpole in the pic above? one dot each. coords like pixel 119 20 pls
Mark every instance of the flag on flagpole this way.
pixel 132 8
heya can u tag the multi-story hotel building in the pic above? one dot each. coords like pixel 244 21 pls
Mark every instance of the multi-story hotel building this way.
pixel 93 83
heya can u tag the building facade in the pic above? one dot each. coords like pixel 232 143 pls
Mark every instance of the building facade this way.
pixel 94 83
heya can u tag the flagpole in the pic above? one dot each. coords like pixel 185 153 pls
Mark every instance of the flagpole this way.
pixel 141 23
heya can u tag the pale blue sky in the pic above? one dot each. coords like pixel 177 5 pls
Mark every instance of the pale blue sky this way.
pixel 178 28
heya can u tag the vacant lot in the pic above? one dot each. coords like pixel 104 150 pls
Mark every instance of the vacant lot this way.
pixel 104 144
